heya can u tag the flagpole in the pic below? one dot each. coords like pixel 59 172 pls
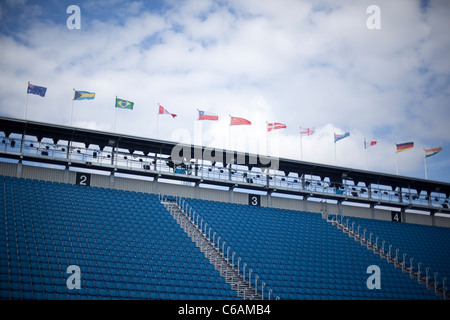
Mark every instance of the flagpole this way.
pixel 115 113
pixel 267 137
pixel 196 140
pixel 229 133
pixel 199 128
pixel 301 144
pixel 425 161
pixel 71 112
pixel 365 149
pixel 26 104
pixel 335 158
pixel 157 122
pixel 396 162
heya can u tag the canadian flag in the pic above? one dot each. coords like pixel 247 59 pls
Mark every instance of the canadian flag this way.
pixel 164 111
pixel 275 125
pixel 236 121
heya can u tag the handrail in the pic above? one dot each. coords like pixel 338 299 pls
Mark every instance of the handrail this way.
pixel 439 290
pixel 194 217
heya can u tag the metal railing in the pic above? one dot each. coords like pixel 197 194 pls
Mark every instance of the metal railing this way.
pixel 338 221
pixel 229 262
pixel 203 169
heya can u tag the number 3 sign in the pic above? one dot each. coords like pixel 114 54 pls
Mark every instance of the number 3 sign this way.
pixel 254 200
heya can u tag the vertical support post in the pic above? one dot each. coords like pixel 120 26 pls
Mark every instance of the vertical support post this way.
pixel 66 174
pixel 340 210
pixel 403 214
pixel 372 211
pixel 19 169
pixel 111 180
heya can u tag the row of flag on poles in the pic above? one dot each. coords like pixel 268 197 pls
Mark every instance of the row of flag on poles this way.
pixel 234 121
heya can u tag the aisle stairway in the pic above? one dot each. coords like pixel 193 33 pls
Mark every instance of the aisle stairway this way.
pixel 418 243
pixel 221 262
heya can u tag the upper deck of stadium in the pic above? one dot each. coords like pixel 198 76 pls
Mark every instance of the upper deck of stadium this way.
pixel 25 140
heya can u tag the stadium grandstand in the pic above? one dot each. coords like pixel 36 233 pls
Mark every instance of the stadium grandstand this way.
pixel 97 215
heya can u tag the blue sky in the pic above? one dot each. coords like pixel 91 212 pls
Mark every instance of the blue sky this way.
pixel 301 63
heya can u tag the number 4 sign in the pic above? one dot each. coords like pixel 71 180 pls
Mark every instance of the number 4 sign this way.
pixel 396 216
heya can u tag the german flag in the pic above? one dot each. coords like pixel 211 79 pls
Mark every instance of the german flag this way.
pixel 404 146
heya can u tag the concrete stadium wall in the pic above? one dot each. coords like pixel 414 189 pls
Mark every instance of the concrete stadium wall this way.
pixel 148 185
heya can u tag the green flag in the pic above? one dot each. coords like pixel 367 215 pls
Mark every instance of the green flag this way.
pixel 124 104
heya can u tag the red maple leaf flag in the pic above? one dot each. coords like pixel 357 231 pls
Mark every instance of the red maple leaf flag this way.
pixel 164 111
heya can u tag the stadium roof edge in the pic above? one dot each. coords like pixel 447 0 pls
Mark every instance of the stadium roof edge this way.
pixel 336 174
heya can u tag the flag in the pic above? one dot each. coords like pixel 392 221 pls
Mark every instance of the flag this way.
pixel 306 132
pixel 164 111
pixel 404 146
pixel 432 152
pixel 203 115
pixel 338 137
pixel 236 121
pixel 40 91
pixel 275 125
pixel 83 95
pixel 124 104
pixel 370 144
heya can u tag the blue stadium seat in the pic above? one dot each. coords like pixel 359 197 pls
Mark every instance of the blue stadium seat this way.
pixel 283 245
pixel 129 247
pixel 108 233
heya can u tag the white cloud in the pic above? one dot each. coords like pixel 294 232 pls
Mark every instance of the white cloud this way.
pixel 299 63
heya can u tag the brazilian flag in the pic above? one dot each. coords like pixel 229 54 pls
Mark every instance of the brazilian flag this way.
pixel 124 104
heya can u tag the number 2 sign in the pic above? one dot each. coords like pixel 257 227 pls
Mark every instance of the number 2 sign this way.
pixel 83 179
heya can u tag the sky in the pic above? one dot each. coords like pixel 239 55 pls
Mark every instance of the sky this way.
pixel 334 66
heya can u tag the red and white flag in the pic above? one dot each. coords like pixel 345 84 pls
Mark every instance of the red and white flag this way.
pixel 236 121
pixel 275 125
pixel 204 115
pixel 306 132
pixel 369 143
pixel 164 111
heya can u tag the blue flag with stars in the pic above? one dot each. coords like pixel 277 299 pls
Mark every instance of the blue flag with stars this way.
pixel 40 91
